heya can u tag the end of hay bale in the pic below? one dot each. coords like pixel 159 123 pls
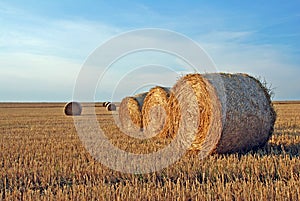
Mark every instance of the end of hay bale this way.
pixel 73 109
pixel 249 115
pixel 268 94
pixel 111 107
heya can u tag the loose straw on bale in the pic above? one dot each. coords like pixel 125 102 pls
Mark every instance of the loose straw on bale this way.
pixel 154 111
pixel 73 109
pixel 130 114
pixel 235 112
pixel 111 107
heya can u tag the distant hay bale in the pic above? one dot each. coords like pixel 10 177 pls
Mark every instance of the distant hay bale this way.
pixel 111 107
pixel 234 111
pixel 154 111
pixel 73 109
pixel 104 104
pixel 130 114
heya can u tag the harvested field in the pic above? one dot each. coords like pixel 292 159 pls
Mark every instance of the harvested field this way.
pixel 42 158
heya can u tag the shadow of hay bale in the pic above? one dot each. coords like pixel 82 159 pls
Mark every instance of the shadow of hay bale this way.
pixel 292 150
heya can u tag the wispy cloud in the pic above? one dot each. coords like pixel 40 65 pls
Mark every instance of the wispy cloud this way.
pixel 37 77
pixel 63 37
pixel 273 62
pixel 226 36
pixel 42 53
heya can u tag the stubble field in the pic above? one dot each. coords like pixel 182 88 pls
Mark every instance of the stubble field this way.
pixel 42 158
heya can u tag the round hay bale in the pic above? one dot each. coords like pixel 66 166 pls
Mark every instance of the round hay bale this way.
pixel 111 107
pixel 130 114
pixel 73 109
pixel 155 111
pixel 234 111
pixel 104 104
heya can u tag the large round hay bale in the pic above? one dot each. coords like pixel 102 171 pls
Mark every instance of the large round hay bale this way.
pixel 73 109
pixel 130 113
pixel 111 107
pixel 155 111
pixel 234 112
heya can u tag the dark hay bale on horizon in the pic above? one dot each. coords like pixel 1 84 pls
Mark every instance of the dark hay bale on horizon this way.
pixel 111 107
pixel 73 109
pixel 155 111
pixel 130 113
pixel 234 111
pixel 105 103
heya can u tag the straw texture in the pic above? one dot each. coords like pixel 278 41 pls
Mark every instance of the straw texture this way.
pixel 226 112
pixel 154 111
pixel 130 114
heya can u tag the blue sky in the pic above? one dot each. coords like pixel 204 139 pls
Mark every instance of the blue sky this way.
pixel 43 44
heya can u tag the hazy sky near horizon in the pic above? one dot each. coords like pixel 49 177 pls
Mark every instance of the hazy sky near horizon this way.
pixel 43 44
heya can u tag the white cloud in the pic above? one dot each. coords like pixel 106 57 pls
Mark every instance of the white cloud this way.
pixel 40 55
pixel 223 36
pixel 57 37
pixel 36 77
